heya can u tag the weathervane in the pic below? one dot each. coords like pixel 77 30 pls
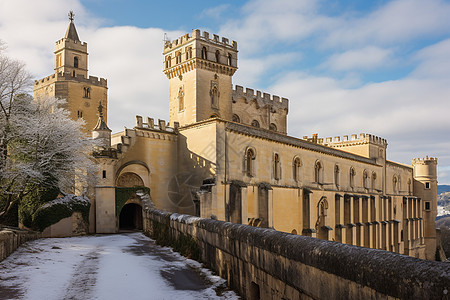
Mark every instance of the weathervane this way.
pixel 71 15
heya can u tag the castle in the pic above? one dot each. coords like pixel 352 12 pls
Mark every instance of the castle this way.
pixel 225 154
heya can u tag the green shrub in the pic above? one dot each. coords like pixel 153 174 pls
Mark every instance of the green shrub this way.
pixel 58 209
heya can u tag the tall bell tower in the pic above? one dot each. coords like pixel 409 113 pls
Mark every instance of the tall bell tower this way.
pixel 71 54
pixel 200 70
pixel 71 81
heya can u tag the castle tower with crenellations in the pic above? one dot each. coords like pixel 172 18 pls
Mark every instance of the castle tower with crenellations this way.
pixel 71 81
pixel 200 69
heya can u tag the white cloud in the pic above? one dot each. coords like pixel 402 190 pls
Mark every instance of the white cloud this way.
pixel 251 70
pixel 396 21
pixel 366 58
pixel 434 61
pixel 265 22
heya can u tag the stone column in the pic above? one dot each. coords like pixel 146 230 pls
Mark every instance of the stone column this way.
pixel 244 205
pixel 342 221
pixel 270 207
pixel 351 230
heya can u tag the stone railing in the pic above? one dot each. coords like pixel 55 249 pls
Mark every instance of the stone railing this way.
pixel 268 264
pixel 12 238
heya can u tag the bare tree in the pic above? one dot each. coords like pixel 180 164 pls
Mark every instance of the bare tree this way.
pixel 14 80
pixel 40 146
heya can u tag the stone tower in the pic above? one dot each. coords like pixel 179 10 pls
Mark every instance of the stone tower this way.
pixel 200 70
pixel 71 81
pixel 425 187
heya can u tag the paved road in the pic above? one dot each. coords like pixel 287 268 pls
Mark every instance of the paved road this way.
pixel 122 266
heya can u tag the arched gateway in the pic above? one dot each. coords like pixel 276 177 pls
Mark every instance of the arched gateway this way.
pixel 130 217
pixel 131 198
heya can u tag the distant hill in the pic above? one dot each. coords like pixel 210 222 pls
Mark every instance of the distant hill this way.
pixel 443 188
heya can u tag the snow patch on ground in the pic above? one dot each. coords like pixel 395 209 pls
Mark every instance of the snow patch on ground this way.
pixel 122 266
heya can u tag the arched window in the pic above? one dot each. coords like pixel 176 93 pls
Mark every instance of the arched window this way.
pixel 80 114
pixel 276 167
pixel 188 52
pixel 236 118
pixel 352 177
pixel 217 56
pixel 204 54
pixel 250 156
pixel 178 57
pixel 297 163
pixel 75 62
pixel 374 181
pixel 73 73
pixel 87 92
pixel 318 172
pixel 168 61
pixel 273 127
pixel 337 175
pixel 255 123
pixel 230 59
pixel 365 180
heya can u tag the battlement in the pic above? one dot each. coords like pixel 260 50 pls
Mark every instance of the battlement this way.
pixel 161 126
pixel 65 41
pixel 363 138
pixel 196 34
pixel 262 99
pixel 426 160
pixel 67 76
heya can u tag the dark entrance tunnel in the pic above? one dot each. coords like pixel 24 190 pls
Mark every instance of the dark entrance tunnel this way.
pixel 131 217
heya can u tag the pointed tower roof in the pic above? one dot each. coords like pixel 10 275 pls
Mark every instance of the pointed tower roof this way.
pixel 71 32
pixel 101 124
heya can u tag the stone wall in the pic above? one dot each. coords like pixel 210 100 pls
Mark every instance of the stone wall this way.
pixel 268 264
pixel 11 239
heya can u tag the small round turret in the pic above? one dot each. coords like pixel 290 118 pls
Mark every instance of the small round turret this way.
pixel 425 188
pixel 101 132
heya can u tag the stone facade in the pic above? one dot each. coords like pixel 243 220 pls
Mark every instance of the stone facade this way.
pixel 225 154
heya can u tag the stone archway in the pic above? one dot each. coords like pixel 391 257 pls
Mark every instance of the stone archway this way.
pixel 130 217
pixel 322 213
pixel 129 179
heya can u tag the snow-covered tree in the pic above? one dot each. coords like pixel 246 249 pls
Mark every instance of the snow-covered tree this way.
pixel 41 147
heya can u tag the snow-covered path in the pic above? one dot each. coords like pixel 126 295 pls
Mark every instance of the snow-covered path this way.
pixel 122 266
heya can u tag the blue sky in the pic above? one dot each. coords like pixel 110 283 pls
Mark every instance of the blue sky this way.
pixel 380 67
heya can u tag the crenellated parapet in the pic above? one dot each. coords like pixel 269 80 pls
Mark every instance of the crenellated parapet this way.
pixel 425 161
pixel 197 34
pixel 262 99
pixel 199 51
pixel 346 140
pixel 67 76
pixel 161 125
pixel 69 43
